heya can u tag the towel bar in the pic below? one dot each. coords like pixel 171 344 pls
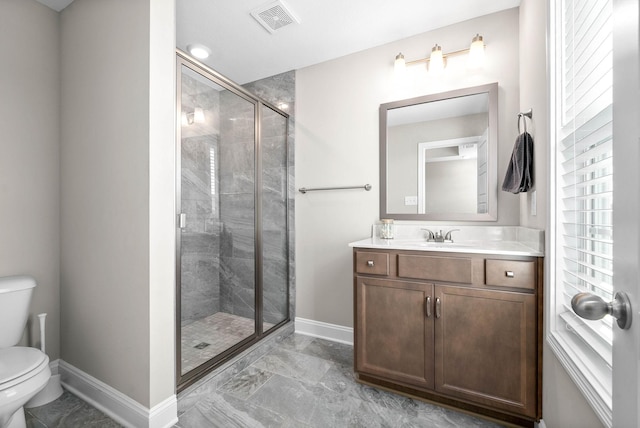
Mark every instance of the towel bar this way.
pixel 304 190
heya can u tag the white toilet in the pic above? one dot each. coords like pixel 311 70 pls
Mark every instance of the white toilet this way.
pixel 23 371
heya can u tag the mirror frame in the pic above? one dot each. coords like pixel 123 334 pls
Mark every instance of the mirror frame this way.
pixel 492 157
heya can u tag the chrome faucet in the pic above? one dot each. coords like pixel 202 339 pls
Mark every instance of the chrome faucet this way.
pixel 430 235
pixel 447 237
pixel 439 237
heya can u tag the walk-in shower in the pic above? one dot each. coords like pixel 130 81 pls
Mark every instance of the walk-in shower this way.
pixel 232 211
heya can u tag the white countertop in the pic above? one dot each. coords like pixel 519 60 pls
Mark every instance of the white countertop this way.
pixel 509 248
pixel 508 240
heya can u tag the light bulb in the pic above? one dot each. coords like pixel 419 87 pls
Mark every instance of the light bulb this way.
pixel 399 66
pixel 199 51
pixel 476 53
pixel 436 61
pixel 198 115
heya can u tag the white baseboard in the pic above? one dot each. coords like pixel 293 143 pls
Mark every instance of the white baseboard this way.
pixel 115 404
pixel 323 330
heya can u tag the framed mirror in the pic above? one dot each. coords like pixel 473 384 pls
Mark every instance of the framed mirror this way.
pixel 438 156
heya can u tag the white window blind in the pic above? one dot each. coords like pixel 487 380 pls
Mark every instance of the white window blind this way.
pixel 583 228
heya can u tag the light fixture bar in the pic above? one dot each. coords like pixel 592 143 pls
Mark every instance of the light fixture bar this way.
pixel 426 60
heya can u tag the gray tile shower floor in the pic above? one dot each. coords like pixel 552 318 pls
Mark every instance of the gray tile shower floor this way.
pixel 205 338
pixel 303 382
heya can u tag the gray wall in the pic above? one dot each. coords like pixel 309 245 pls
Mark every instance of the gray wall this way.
pixel 563 404
pixel 29 157
pixel 117 178
pixel 452 185
pixel 337 145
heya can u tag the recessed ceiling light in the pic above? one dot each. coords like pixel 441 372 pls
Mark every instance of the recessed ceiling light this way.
pixel 199 51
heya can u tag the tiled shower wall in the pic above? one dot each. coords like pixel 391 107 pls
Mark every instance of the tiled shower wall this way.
pixel 200 265
pixel 237 206
pixel 218 267
pixel 237 195
pixel 279 90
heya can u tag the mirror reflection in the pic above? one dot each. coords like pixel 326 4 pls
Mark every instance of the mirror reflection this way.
pixel 438 156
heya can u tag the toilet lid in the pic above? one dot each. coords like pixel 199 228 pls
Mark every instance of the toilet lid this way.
pixel 18 360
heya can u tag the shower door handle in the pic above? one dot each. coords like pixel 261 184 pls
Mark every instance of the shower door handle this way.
pixel 182 220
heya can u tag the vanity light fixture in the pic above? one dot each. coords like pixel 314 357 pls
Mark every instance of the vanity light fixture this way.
pixel 437 60
pixel 199 51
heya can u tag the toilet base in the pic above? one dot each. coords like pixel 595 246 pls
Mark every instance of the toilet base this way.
pixel 52 391
pixel 17 420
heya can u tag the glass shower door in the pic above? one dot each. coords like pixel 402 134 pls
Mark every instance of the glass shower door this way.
pixel 217 206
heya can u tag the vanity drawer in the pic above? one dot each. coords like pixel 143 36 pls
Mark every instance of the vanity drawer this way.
pixel 511 273
pixel 372 263
pixel 434 268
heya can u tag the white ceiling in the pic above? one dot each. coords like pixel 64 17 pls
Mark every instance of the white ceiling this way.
pixel 244 51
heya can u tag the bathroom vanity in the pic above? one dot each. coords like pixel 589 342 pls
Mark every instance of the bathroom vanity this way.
pixel 457 323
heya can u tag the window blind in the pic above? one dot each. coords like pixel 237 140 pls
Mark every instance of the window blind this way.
pixel 584 178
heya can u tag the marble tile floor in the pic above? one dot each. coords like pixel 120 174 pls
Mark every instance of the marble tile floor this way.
pixel 68 411
pixel 304 382
pixel 307 382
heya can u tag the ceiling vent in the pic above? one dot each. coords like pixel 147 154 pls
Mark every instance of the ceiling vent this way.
pixel 273 16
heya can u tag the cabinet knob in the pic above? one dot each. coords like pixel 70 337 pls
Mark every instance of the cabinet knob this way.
pixel 428 303
pixel 370 263
pixel 438 307
pixel 509 274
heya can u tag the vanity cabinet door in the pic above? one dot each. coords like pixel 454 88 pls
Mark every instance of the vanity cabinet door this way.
pixel 394 330
pixel 485 347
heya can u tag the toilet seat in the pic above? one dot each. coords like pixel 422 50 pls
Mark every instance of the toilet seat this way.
pixel 19 363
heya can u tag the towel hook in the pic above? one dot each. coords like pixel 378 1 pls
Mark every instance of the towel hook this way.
pixel 529 114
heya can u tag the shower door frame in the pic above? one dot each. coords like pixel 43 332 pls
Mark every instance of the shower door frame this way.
pixel 190 377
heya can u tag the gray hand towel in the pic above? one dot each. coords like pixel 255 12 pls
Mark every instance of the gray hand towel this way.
pixel 519 176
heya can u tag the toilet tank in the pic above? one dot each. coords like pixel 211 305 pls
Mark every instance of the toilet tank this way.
pixel 15 297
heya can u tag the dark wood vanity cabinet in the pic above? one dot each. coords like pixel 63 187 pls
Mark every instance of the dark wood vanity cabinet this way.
pixel 395 337
pixel 463 329
pixel 485 346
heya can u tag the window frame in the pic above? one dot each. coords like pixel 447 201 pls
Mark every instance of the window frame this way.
pixel 585 371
